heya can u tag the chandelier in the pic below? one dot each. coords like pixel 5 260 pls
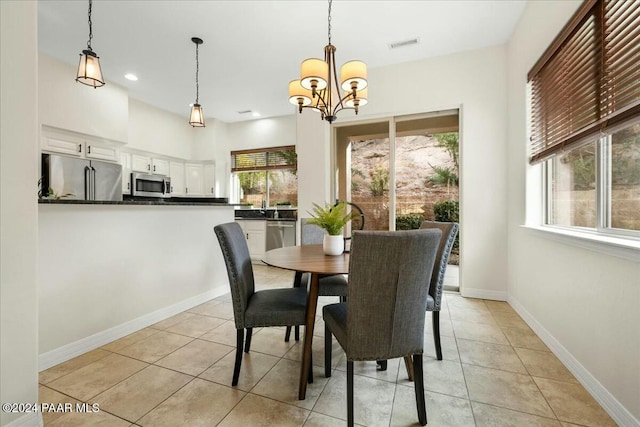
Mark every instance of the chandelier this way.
pixel 89 72
pixel 318 86
pixel 196 119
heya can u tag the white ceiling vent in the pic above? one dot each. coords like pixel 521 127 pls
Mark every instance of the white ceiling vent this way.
pixel 404 43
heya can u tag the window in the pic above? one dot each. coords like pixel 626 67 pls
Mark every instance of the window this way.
pixel 266 175
pixel 585 119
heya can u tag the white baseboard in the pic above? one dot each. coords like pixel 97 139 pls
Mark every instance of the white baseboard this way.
pixel 32 419
pixel 483 293
pixel 71 350
pixel 611 405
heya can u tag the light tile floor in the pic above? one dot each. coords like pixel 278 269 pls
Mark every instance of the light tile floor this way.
pixel 495 372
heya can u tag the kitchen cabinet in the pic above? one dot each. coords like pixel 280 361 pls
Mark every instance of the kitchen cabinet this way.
pixel 140 163
pixel 101 152
pixel 194 179
pixel 78 146
pixel 160 166
pixel 176 172
pixel 125 162
pixel 62 144
pixel 144 163
pixel 209 172
pixel 255 231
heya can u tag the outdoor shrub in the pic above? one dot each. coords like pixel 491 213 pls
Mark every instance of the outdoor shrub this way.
pixel 408 222
pixel 379 181
pixel 448 211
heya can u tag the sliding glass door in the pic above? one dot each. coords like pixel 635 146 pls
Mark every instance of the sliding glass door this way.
pixel 401 171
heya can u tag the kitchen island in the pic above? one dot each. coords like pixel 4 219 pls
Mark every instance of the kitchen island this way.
pixel 107 269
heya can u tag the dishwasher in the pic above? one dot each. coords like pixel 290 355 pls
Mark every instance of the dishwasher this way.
pixel 280 234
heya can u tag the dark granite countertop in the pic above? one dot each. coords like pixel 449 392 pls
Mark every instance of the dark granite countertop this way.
pixel 141 201
pixel 266 219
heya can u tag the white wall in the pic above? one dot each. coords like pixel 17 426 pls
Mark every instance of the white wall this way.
pixel 269 132
pixel 210 143
pixel 314 172
pixel 585 304
pixel 18 208
pixel 102 266
pixel 474 81
pixel 158 131
pixel 67 104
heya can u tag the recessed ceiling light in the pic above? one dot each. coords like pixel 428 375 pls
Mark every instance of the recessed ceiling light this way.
pixel 255 114
pixel 130 76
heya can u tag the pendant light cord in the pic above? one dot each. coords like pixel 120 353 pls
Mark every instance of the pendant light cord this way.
pixel 90 27
pixel 197 71
pixel 329 22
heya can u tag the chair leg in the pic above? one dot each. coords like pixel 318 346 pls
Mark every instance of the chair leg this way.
pixel 419 388
pixel 350 393
pixel 435 319
pixel 247 344
pixel 297 281
pixel 239 344
pixel 310 379
pixel 382 365
pixel 327 351
pixel 408 364
pixel 296 333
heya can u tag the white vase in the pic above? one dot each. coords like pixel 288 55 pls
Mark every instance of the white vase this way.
pixel 333 245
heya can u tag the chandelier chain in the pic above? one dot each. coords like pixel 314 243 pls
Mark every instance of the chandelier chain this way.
pixel 90 26
pixel 329 22
pixel 197 72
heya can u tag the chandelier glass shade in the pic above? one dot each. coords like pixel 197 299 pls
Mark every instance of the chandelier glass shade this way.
pixel 89 71
pixel 319 88
pixel 196 118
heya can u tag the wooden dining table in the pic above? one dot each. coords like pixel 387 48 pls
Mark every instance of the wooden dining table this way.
pixel 308 258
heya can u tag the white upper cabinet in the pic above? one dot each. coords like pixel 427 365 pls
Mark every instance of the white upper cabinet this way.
pixel 176 172
pixel 72 144
pixel 102 152
pixel 140 163
pixel 148 164
pixel 125 162
pixel 194 179
pixel 209 179
pixel 62 145
pixel 160 166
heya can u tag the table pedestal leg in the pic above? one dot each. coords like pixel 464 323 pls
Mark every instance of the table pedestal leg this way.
pixel 312 302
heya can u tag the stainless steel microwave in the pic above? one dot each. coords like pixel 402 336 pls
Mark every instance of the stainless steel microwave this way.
pixel 149 185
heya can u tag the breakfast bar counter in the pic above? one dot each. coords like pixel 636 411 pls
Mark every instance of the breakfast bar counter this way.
pixel 109 269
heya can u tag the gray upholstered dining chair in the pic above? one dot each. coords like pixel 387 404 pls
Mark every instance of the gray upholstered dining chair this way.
pixel 251 308
pixel 436 284
pixel 384 315
pixel 335 285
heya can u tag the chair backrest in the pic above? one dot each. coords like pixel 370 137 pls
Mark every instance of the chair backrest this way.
pixel 310 234
pixel 386 293
pixel 239 268
pixel 449 231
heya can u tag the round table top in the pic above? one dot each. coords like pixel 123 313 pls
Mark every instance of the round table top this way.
pixel 309 258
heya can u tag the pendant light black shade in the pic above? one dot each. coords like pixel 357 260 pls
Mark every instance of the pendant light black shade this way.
pixel 89 71
pixel 196 119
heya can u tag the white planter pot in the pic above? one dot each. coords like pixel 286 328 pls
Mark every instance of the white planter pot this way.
pixel 333 245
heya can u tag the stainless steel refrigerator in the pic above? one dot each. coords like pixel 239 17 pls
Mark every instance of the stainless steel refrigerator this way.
pixel 81 179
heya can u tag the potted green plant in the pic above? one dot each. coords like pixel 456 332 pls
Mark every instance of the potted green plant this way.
pixel 331 218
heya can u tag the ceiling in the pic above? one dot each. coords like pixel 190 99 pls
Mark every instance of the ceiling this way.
pixel 252 49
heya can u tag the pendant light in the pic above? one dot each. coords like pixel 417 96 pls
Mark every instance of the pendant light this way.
pixel 319 88
pixel 89 72
pixel 197 118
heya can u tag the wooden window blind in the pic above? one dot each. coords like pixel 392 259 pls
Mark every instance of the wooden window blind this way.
pixel 588 79
pixel 264 159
